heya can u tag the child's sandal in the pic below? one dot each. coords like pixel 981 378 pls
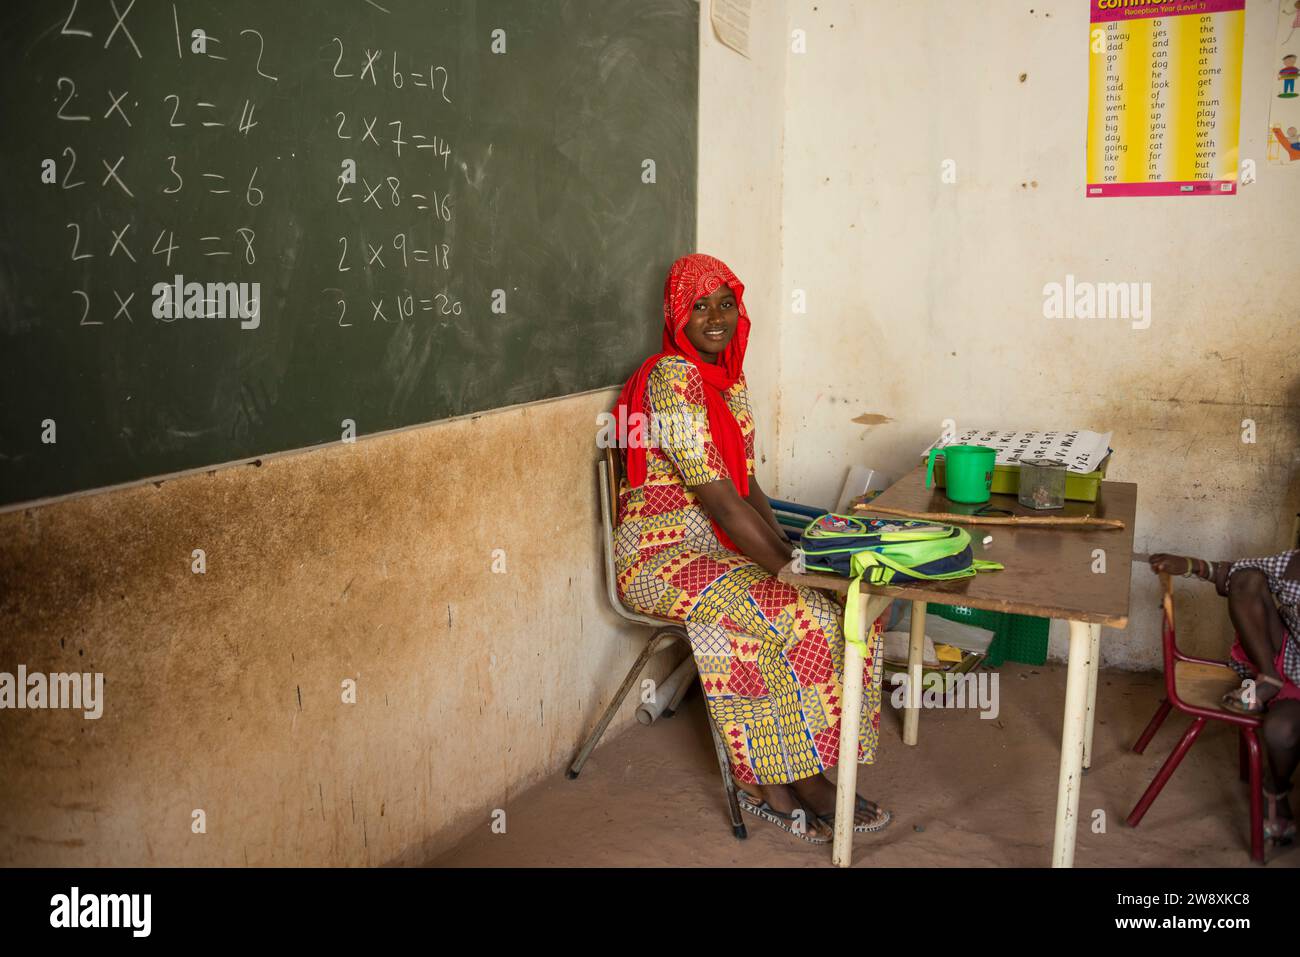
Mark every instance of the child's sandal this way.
pixel 1236 700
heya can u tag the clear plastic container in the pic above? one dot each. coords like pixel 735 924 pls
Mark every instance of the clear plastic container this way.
pixel 1042 483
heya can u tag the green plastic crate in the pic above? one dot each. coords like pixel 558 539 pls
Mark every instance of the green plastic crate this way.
pixel 1021 638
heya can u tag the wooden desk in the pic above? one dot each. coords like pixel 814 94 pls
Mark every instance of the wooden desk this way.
pixel 1080 575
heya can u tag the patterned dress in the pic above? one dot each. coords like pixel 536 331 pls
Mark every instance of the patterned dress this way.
pixel 770 655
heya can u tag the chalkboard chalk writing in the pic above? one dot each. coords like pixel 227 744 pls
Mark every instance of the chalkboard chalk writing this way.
pixel 247 222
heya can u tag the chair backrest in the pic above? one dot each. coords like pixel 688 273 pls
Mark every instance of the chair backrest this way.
pixel 1194 669
pixel 613 466
pixel 608 472
pixel 1168 640
pixel 1167 599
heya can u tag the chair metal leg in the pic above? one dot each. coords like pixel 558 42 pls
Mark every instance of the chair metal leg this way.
pixel 1166 770
pixel 1243 759
pixel 1153 726
pixel 1252 750
pixel 728 783
pixel 661 639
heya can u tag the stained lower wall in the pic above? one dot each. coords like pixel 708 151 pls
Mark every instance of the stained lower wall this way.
pixel 224 691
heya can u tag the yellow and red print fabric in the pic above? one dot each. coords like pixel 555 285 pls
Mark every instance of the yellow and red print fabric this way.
pixel 770 655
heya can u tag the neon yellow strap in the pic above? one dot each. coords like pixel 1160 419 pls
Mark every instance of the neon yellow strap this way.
pixel 851 616
pixel 863 562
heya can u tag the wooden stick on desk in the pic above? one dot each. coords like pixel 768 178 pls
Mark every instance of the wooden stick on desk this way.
pixel 955 518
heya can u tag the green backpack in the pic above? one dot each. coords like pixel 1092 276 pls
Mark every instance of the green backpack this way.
pixel 887 552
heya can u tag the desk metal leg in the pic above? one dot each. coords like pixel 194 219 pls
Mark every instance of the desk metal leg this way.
pixel 1094 664
pixel 1072 737
pixel 915 651
pixel 846 785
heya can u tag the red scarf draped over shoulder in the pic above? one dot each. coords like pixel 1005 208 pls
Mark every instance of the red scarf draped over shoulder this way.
pixel 689 279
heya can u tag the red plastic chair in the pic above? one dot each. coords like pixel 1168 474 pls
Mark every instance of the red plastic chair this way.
pixel 1195 686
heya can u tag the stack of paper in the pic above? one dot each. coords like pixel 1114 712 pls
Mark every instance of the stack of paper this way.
pixel 1081 450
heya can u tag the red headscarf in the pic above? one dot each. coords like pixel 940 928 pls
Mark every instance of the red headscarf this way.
pixel 690 278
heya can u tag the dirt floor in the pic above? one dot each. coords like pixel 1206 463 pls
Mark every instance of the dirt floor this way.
pixel 974 792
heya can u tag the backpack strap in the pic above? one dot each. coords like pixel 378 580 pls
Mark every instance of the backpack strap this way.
pixel 851 603
pixel 851 615
pixel 867 560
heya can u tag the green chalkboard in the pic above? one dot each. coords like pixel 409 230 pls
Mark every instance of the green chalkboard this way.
pixel 193 279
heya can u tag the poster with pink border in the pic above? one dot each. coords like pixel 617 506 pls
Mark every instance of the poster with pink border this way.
pixel 1164 97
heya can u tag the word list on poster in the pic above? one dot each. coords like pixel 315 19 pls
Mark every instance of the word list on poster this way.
pixel 1164 97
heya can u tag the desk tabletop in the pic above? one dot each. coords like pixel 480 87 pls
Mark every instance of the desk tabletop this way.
pixel 1048 571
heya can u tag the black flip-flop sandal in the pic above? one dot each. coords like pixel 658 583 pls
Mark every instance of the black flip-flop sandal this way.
pixel 785 822
pixel 861 805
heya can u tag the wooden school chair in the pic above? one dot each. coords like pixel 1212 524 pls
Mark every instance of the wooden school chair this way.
pixel 667 632
pixel 1195 686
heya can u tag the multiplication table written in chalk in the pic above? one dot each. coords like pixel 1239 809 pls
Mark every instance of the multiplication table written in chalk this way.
pixel 1164 97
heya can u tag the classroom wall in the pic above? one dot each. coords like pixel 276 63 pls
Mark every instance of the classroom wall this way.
pixel 370 562
pixel 925 298
pixel 742 120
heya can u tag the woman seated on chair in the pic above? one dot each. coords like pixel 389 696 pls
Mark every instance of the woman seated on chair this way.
pixel 1262 598
pixel 697 541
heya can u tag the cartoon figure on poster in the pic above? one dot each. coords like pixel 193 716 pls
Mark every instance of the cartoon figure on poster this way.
pixel 1284 115
pixel 1287 75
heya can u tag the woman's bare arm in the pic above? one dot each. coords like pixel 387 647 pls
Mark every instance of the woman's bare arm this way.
pixel 1216 572
pixel 758 500
pixel 744 525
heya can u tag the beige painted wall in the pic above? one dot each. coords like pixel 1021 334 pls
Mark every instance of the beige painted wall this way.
pixel 742 117
pixel 370 562
pixel 925 299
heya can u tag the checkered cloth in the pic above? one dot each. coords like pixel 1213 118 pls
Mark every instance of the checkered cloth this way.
pixel 1286 593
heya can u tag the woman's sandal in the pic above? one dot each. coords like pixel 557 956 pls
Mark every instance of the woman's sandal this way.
pixel 1235 700
pixel 794 823
pixel 861 805
pixel 1279 830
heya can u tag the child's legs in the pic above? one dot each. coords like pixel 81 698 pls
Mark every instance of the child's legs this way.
pixel 1281 733
pixel 1254 615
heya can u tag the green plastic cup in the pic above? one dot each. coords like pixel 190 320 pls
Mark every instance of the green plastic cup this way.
pixel 968 471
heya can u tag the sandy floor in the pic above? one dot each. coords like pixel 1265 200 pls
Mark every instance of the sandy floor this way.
pixel 974 792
